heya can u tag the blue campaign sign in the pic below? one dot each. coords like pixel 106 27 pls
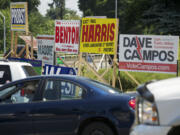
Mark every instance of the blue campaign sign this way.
pixel 51 69
pixel 67 89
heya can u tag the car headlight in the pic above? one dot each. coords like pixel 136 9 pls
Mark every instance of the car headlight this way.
pixel 147 112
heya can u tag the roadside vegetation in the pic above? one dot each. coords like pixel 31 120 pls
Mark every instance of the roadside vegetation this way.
pixel 127 83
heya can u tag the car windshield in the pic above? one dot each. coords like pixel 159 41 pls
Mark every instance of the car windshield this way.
pixel 29 71
pixel 104 87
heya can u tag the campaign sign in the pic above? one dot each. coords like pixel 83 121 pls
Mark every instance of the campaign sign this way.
pixel 148 53
pixel 46 49
pixel 18 16
pixel 67 89
pixel 56 70
pixel 98 35
pixel 67 36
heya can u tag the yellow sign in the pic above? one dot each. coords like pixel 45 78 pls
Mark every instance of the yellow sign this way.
pixel 98 35
pixel 19 19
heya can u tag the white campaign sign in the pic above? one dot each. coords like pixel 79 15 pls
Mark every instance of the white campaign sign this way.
pixel 67 36
pixel 46 49
pixel 148 53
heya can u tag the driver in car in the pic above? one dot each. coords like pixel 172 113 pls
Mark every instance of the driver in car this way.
pixel 24 95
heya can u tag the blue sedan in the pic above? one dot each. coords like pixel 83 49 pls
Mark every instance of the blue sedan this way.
pixel 64 105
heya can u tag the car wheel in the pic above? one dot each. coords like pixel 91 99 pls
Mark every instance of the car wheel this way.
pixel 97 128
pixel 175 131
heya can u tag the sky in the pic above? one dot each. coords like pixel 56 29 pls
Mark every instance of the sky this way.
pixel 71 4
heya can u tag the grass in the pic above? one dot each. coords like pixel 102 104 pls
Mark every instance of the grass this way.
pixel 145 77
pixel 127 83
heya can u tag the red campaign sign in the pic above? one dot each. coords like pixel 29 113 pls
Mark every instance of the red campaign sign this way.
pixel 148 53
pixel 67 36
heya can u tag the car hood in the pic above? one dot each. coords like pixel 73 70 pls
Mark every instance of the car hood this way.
pixel 168 89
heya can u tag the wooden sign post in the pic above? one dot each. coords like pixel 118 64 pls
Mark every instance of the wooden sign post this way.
pixel 12 40
pixel 27 32
pixel 115 56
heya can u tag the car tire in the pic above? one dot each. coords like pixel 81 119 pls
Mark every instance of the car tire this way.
pixel 97 128
pixel 175 131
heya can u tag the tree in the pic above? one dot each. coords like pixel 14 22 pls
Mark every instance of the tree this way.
pixel 4 4
pixel 138 16
pixel 153 17
pixel 134 15
pixel 32 4
pixel 97 7
pixel 105 8
pixel 57 9
pixel 164 15
pixel 40 25
pixel 70 15
pixel 6 13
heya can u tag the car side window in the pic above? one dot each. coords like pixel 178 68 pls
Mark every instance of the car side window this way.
pixel 51 91
pixel 19 93
pixel 5 74
pixel 62 90
pixel 70 91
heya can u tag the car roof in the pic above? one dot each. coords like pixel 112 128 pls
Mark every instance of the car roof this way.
pixel 83 81
pixel 74 78
pixel 63 76
pixel 6 62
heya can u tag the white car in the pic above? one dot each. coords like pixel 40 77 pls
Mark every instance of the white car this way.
pixel 11 71
pixel 158 108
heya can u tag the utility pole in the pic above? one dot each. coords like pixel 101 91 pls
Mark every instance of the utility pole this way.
pixel 115 8
pixel 4 19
